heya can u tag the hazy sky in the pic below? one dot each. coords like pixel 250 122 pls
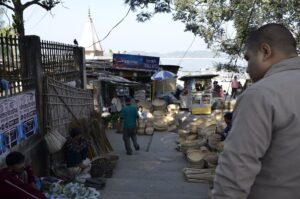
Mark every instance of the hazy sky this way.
pixel 161 34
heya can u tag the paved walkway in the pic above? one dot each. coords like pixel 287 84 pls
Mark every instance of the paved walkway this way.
pixel 154 172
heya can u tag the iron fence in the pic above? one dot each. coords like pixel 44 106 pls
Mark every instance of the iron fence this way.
pixel 12 69
pixel 60 61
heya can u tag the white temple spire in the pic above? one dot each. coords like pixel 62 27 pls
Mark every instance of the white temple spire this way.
pixel 90 40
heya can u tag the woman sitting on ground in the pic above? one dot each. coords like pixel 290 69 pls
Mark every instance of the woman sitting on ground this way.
pixel 76 153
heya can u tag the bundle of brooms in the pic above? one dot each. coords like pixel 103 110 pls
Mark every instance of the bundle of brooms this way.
pixel 93 130
pixel 199 175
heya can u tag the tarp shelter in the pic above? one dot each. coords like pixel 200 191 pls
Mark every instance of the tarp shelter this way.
pixel 105 86
pixel 116 80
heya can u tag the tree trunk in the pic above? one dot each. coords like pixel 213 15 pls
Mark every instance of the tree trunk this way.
pixel 18 18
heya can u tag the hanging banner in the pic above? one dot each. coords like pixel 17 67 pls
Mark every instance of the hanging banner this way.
pixel 17 117
pixel 135 61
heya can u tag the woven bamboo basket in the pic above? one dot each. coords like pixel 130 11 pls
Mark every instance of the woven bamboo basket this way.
pixel 150 116
pixel 220 104
pixel 218 117
pixel 209 130
pixel 173 108
pixel 147 106
pixel 229 105
pixel 158 104
pixel 141 131
pixel 211 160
pixel 194 144
pixel 160 125
pixel 220 147
pixel 220 126
pixel 196 156
pixel 158 115
pixel 180 140
pixel 183 133
pixel 192 137
pixel 172 128
pixel 142 124
pixel 149 124
pixel 149 130
pixel 193 127
pixel 169 119
pixel 199 175
pixel 214 140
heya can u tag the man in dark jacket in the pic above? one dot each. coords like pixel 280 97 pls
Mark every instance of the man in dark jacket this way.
pixel 17 181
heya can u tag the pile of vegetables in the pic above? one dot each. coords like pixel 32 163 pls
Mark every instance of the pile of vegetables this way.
pixel 71 191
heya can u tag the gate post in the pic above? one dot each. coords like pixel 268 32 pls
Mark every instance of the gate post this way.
pixel 80 59
pixel 33 62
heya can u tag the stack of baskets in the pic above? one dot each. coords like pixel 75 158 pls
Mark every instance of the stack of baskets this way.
pixel 159 105
pixel 141 127
pixel 196 157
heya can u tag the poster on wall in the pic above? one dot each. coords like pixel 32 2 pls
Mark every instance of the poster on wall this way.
pixel 18 119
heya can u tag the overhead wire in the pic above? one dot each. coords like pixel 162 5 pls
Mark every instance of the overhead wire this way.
pixel 117 24
pixel 31 15
pixel 187 50
pixel 37 23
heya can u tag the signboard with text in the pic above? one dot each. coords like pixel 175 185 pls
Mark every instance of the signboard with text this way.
pixel 135 61
pixel 17 117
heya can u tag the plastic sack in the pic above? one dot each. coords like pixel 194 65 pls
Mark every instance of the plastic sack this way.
pixel 55 141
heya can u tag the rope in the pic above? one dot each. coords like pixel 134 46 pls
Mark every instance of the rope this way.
pixel 187 50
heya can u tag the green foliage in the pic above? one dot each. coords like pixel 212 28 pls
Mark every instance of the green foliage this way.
pixel 7 31
pixel 227 67
pixel 211 19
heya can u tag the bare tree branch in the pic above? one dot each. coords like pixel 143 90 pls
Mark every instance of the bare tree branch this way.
pixel 7 6
pixel 63 5
pixel 43 5
pixel 30 3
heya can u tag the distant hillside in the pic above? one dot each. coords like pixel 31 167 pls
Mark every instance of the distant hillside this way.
pixel 179 54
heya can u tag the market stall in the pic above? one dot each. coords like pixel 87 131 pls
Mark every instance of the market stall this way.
pixel 197 93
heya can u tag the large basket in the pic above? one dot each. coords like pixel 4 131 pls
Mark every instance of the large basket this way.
pixel 196 156
pixel 159 104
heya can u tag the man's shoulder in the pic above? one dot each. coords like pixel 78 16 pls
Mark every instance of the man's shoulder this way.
pixel 5 173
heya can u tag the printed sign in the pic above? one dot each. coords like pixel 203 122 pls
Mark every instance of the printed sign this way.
pixel 135 61
pixel 17 117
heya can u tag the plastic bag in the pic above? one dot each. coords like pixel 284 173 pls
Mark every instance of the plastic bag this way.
pixel 55 141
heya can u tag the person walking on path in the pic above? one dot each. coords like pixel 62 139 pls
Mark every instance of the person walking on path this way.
pixel 261 153
pixel 130 117
pixel 234 87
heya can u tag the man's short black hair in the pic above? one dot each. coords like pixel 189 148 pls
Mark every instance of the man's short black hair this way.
pixel 14 158
pixel 276 35
pixel 228 116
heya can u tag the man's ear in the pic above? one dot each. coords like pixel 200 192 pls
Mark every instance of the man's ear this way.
pixel 266 50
